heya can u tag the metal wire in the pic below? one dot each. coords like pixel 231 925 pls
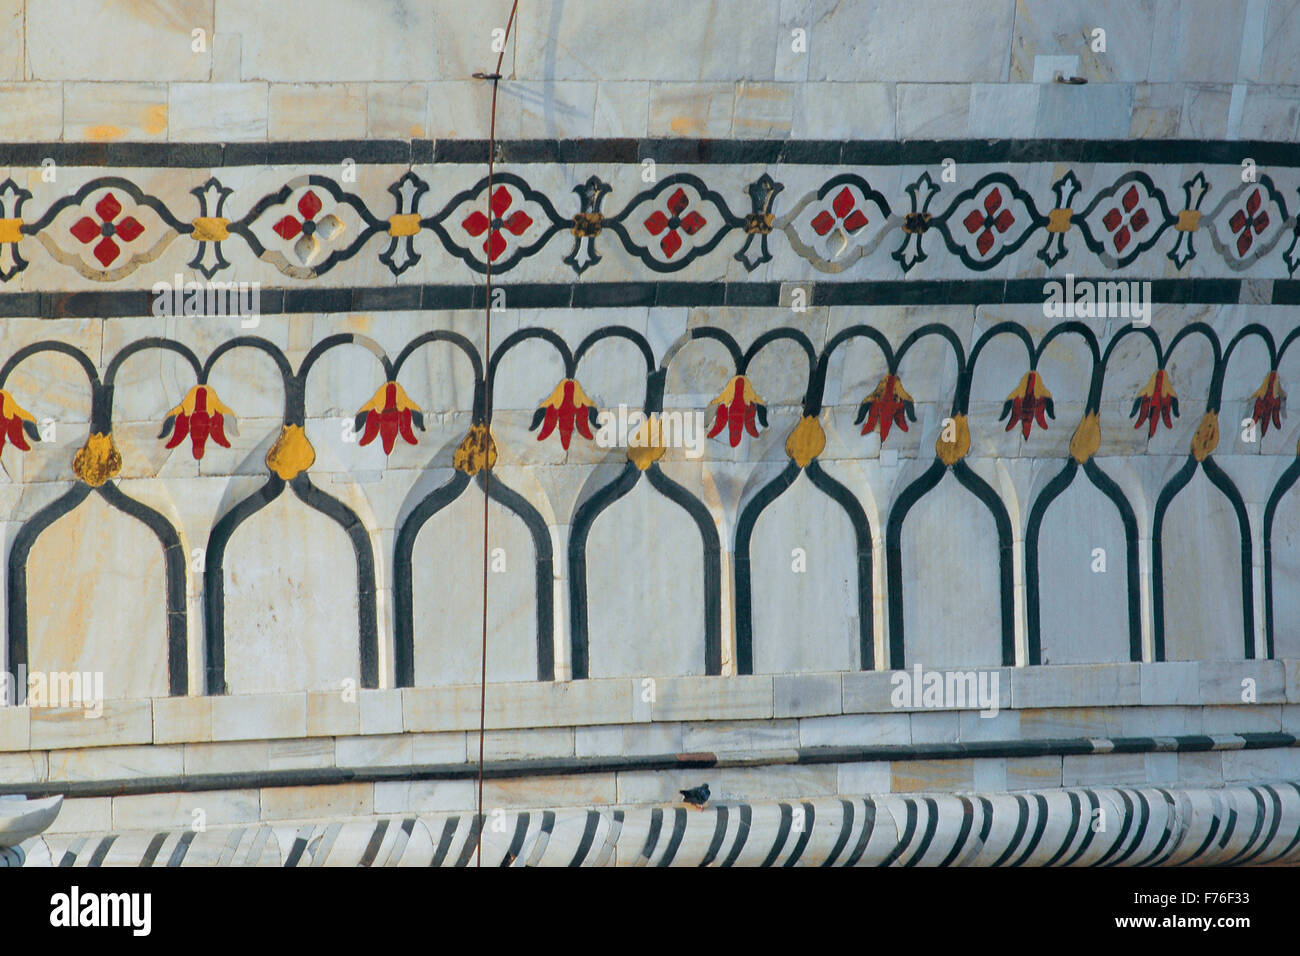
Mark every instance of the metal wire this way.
pixel 495 77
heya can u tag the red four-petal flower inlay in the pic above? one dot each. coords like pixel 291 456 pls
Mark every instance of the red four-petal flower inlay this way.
pixel 987 221
pixel 309 205
pixel 846 214
pixel 86 230
pixel 476 223
pixel 1247 224
pixel 691 223
pixel 1124 225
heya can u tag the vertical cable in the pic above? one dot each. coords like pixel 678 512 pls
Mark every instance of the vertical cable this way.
pixel 495 77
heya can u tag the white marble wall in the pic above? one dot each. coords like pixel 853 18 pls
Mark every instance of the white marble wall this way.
pixel 92 615
pixel 448 610
pixel 1087 609
pixel 880 69
pixel 1198 71
pixel 95 578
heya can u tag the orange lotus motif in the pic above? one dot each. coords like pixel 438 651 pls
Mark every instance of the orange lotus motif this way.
pixel 885 407
pixel 1270 403
pixel 1156 402
pixel 1028 403
pixel 738 408
pixel 389 414
pixel 15 421
pixel 200 416
pixel 565 408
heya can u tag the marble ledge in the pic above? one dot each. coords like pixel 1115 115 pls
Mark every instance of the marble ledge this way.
pixel 605 702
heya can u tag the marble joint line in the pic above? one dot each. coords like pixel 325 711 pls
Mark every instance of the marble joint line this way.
pixel 1140 826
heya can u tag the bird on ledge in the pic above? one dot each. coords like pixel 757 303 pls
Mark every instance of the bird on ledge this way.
pixel 697 796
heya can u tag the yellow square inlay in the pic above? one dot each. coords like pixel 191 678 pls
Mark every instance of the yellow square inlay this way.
pixel 404 224
pixel 1058 220
pixel 211 229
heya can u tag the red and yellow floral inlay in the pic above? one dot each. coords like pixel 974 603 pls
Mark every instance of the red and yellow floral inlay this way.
pixel 1028 403
pixel 1270 403
pixel 887 406
pixel 15 423
pixel 1156 402
pixel 200 416
pixel 739 409
pixel 389 414
pixel 566 408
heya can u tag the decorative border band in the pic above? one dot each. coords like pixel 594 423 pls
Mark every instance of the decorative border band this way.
pixel 738 413
pixel 130 303
pixel 857 214
pixel 817 152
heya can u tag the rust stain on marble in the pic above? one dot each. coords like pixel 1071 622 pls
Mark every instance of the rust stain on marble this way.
pixel 102 134
pixel 155 119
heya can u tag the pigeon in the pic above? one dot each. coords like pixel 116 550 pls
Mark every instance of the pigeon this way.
pixel 697 796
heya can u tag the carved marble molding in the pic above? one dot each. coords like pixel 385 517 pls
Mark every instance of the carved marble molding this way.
pixel 1091 826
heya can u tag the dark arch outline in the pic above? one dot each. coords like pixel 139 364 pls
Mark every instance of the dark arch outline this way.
pixel 1033 624
pixel 749 516
pixel 583 518
pixel 744 531
pixel 1054 489
pixel 16 648
pixel 862 534
pixel 214 582
pixel 1006 572
pixel 350 522
pixel 712 562
pixel 174 569
pixel 403 583
pixel 507 497
pixel 1220 480
pixel 1284 485
pixel 174 572
pixel 894 555
pixel 1111 490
